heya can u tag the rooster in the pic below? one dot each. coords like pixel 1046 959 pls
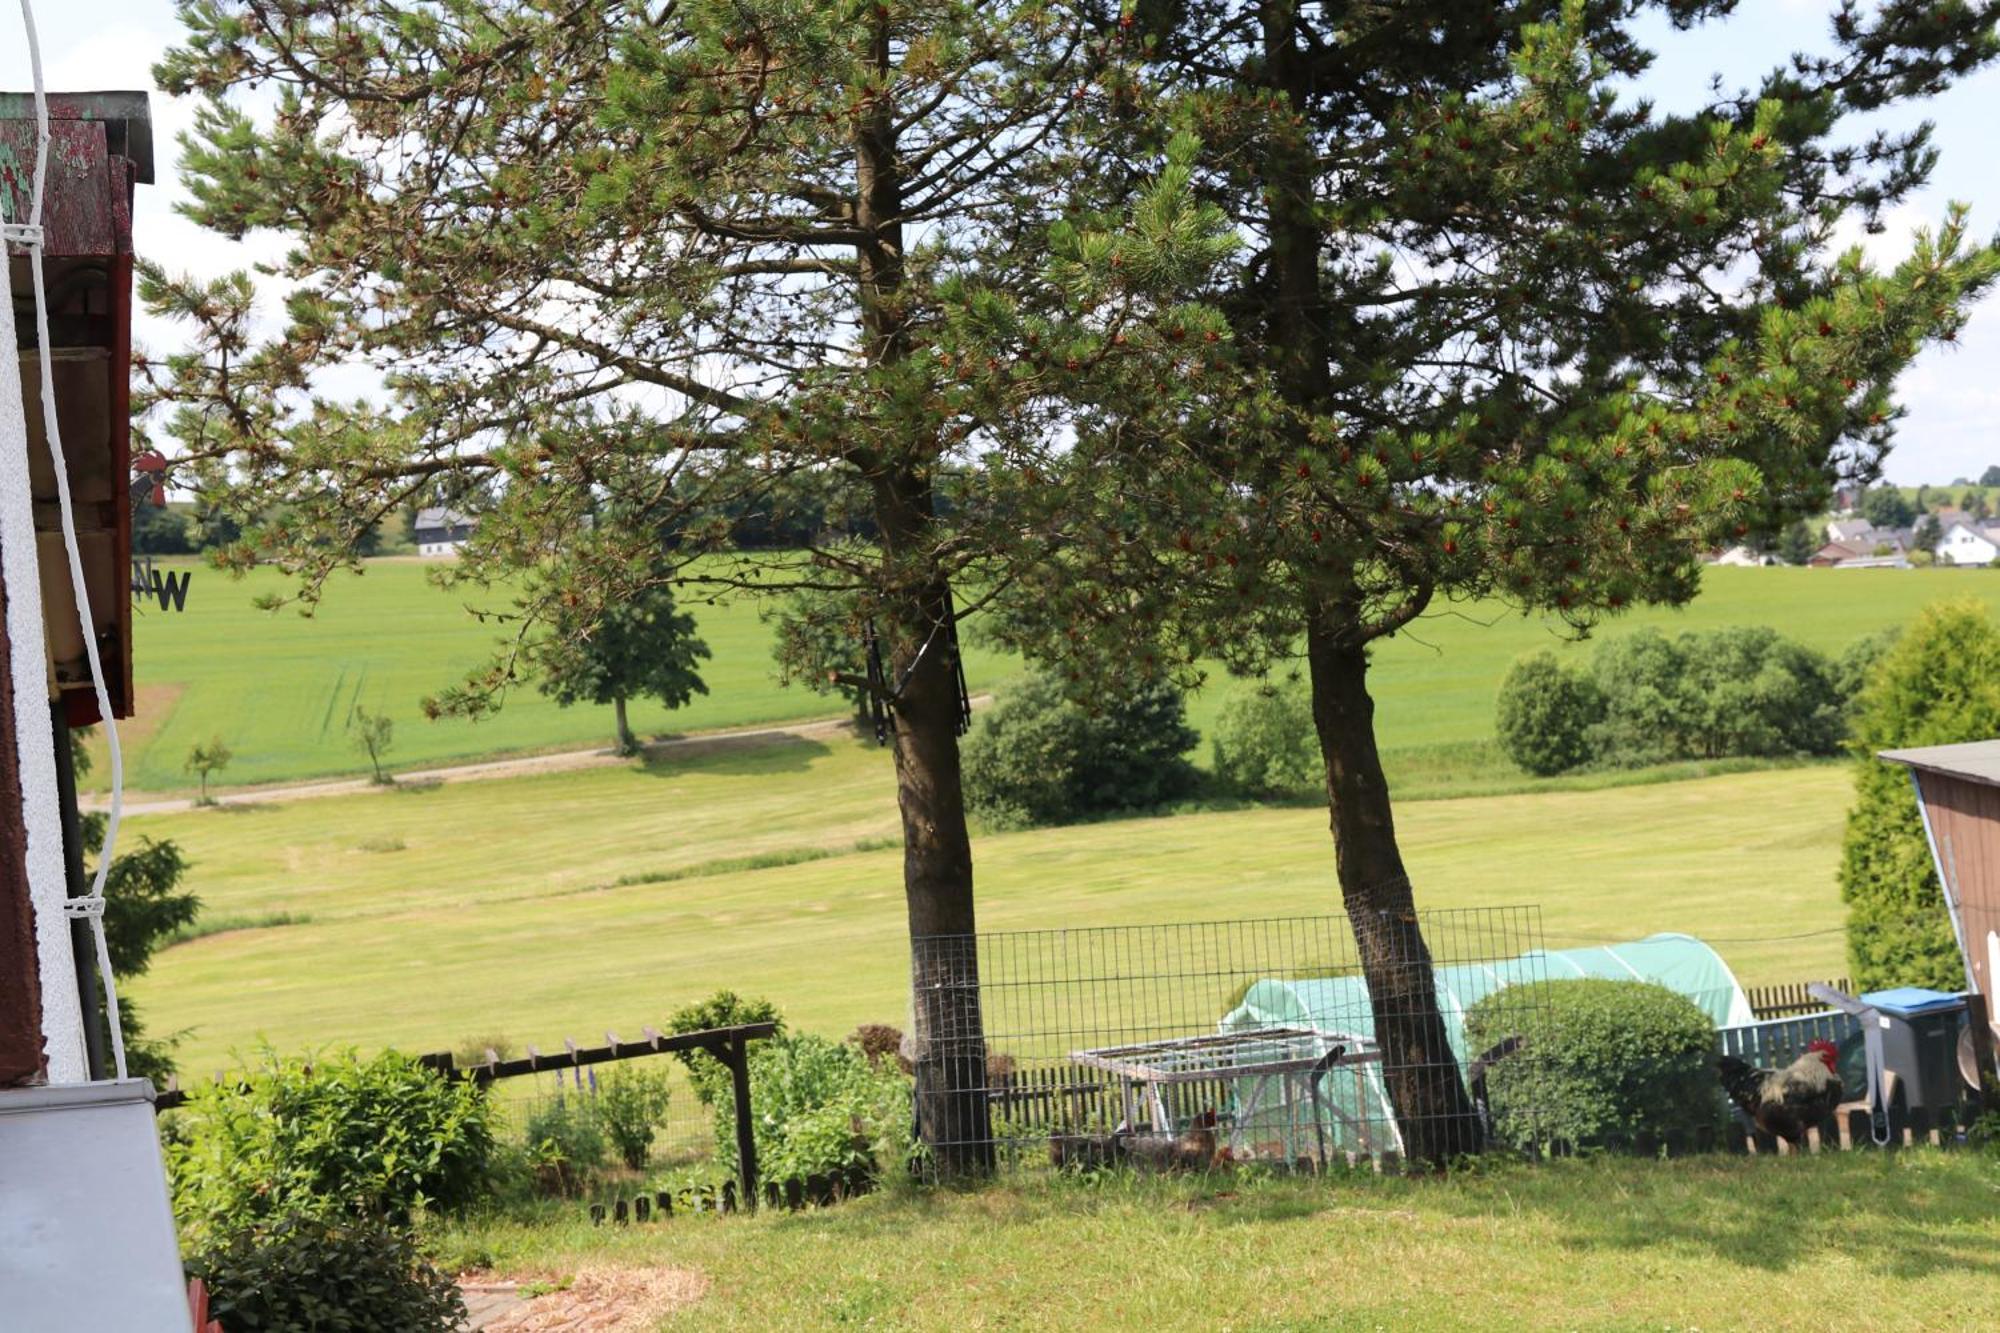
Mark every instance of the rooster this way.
pixel 1785 1101
pixel 1193 1149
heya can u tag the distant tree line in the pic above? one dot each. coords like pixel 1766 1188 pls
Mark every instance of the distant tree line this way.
pixel 1645 698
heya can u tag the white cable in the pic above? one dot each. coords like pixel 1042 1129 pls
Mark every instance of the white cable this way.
pixel 91 906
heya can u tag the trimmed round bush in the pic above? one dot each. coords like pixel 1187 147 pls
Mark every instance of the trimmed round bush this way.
pixel 1545 715
pixel 1039 757
pixel 1613 1065
pixel 1264 743
pixel 301 1272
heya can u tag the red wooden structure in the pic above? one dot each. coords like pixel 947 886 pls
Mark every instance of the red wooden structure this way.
pixel 100 149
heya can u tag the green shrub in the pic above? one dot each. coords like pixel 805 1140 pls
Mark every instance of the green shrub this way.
pixel 1743 691
pixel 724 1009
pixel 1940 684
pixel 306 1273
pixel 374 1138
pixel 1857 663
pixel 1545 714
pixel 818 1108
pixel 632 1103
pixel 1039 757
pixel 1264 743
pixel 567 1143
pixel 1617 1065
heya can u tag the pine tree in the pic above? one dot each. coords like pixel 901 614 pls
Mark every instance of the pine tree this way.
pixel 1477 340
pixel 1798 543
pixel 1939 684
pixel 657 258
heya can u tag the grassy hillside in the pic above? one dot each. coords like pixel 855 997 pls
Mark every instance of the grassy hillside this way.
pixel 497 908
pixel 279 688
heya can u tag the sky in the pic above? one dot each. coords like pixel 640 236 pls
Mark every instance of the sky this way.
pixel 1952 393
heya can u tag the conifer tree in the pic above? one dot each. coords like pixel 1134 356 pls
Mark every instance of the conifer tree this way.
pixel 1489 330
pixel 643 255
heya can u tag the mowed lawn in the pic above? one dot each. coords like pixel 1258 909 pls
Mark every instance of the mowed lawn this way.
pixel 1852 1241
pixel 494 908
pixel 279 688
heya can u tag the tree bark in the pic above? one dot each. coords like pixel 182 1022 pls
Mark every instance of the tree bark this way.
pixel 949 1055
pixel 627 742
pixel 1433 1111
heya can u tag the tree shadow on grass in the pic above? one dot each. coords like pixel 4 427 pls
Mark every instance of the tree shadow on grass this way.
pixel 736 756
pixel 1904 1216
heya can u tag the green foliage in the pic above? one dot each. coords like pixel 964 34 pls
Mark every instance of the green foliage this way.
pixel 724 1009
pixel 637 647
pixel 1925 539
pixel 818 637
pixel 373 734
pixel 1040 757
pixel 632 1103
pixel 157 530
pixel 145 909
pixel 1797 544
pixel 337 1136
pixel 1617 1065
pixel 1649 699
pixel 1938 685
pixel 204 760
pixel 567 1142
pixel 1887 507
pixel 1546 713
pixel 818 1107
pixel 302 1272
pixel 1991 476
pixel 1264 743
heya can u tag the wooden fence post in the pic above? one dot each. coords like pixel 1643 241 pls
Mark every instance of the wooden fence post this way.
pixel 736 1054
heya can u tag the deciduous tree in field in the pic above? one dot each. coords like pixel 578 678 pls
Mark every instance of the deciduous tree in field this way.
pixel 640 646
pixel 1490 331
pixel 651 257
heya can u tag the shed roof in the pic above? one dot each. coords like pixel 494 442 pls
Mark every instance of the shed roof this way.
pixel 1975 761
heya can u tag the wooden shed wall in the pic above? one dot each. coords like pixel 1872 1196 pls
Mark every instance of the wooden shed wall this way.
pixel 1965 829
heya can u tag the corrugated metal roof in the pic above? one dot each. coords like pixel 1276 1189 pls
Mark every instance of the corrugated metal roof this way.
pixel 1975 761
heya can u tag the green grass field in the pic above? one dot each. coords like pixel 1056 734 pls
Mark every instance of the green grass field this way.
pixel 279 688
pixel 1856 1241
pixel 492 908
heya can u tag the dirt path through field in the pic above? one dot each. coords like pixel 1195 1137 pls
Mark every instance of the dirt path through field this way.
pixel 678 747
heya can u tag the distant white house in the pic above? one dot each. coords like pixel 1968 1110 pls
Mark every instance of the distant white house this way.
pixel 1743 555
pixel 442 531
pixel 1965 544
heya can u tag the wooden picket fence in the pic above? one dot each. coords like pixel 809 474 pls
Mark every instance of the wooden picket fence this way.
pixel 1783 1001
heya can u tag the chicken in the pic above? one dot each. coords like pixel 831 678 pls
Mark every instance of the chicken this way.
pixel 1785 1101
pixel 1193 1149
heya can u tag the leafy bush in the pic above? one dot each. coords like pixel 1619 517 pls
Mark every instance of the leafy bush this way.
pixel 1265 744
pixel 632 1103
pixel 1857 663
pixel 1940 684
pixel 818 1107
pixel 302 1272
pixel 724 1009
pixel 1039 757
pixel 375 1138
pixel 1545 714
pixel 1649 699
pixel 1603 1064
pixel 567 1143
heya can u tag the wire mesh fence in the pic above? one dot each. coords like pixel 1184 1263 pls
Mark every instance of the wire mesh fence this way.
pixel 1301 1041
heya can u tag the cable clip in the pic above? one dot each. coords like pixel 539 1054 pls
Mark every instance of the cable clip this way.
pixel 90 905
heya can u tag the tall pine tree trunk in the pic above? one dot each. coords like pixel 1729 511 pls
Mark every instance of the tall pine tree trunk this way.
pixel 1433 1111
pixel 949 1036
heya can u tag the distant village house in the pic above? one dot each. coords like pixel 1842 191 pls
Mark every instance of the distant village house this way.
pixel 442 531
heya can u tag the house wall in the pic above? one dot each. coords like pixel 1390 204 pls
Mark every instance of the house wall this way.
pixel 1964 820
pixel 1966 548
